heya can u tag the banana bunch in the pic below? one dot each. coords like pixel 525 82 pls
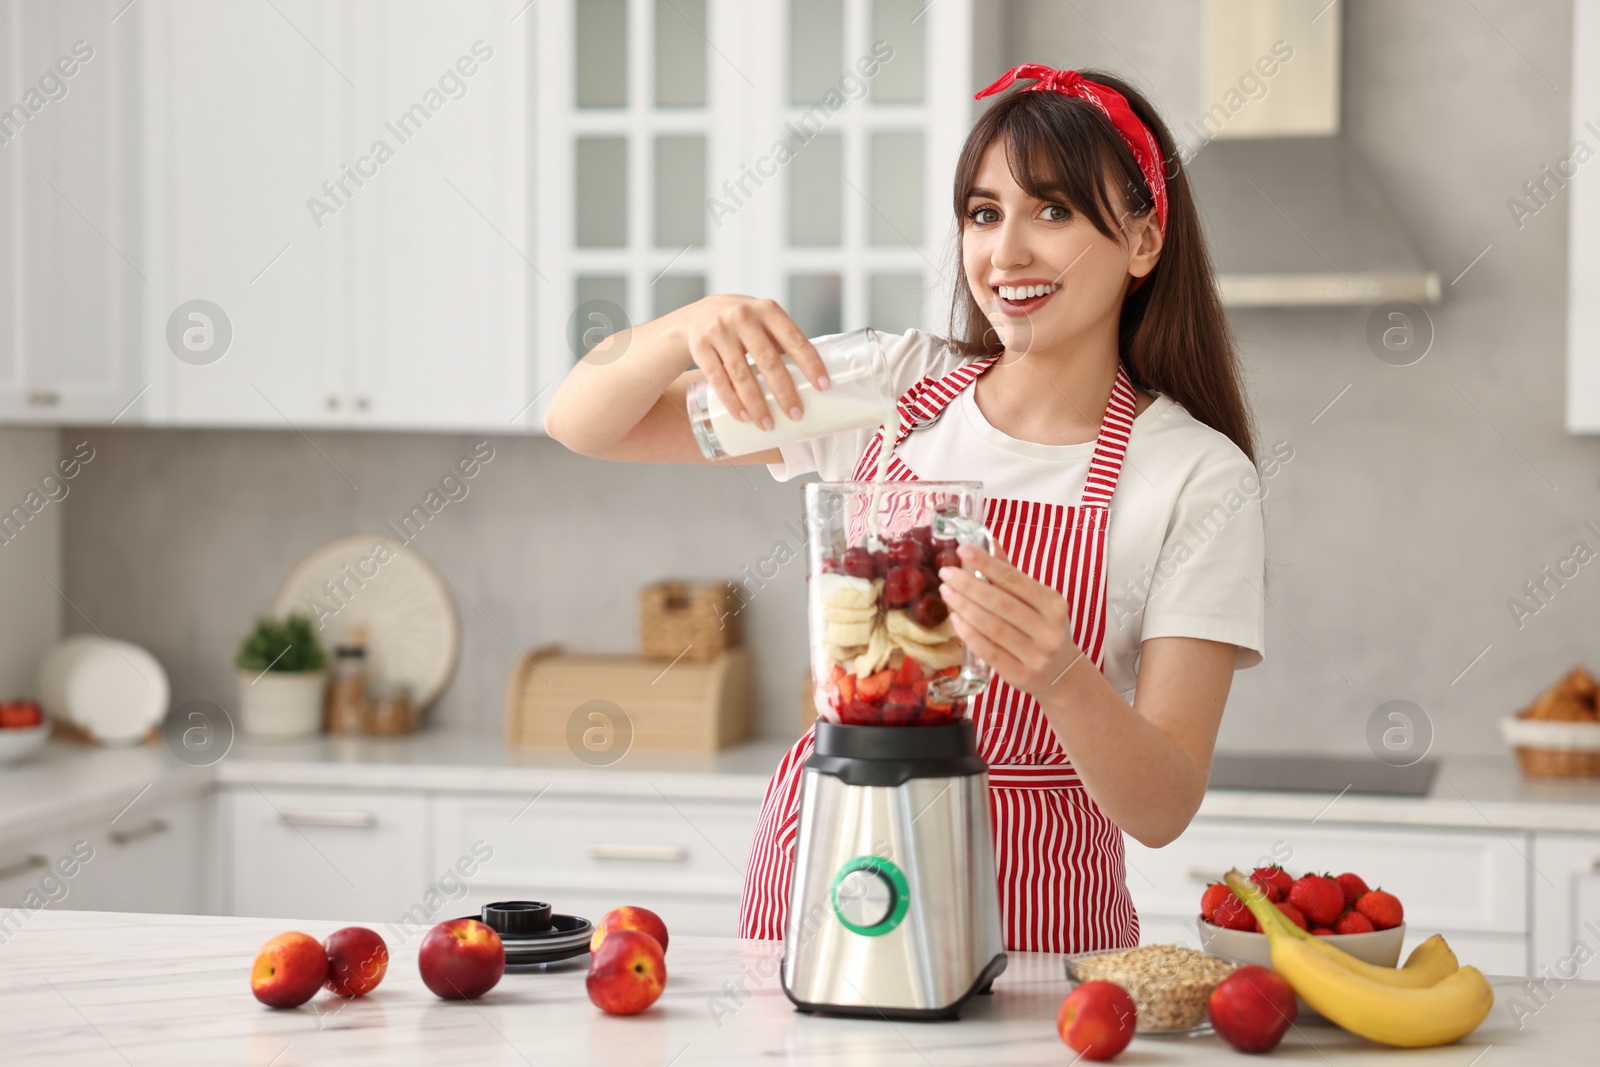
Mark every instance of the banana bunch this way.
pixel 1431 1000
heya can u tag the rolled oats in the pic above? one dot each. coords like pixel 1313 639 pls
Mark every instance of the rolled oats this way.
pixel 1168 983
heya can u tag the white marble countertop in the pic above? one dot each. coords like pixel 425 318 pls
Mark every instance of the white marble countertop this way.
pixel 91 988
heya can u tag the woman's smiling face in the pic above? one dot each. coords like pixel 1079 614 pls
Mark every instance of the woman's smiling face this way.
pixel 1010 239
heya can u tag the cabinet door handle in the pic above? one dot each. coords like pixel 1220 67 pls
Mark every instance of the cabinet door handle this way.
pixel 149 829
pixel 354 819
pixel 1595 866
pixel 32 863
pixel 43 398
pixel 656 853
pixel 1204 877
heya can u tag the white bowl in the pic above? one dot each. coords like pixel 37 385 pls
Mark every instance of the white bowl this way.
pixel 1380 948
pixel 18 743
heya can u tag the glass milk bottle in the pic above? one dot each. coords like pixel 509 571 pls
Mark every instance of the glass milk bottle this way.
pixel 858 395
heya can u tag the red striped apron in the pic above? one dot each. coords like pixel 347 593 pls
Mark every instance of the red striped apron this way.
pixel 1059 859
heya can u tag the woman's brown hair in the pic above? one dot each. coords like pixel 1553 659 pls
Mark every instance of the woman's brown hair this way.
pixel 1173 335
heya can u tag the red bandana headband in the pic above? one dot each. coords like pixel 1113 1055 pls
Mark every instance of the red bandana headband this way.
pixel 1146 149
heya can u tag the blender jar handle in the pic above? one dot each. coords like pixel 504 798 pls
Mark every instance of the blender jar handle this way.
pixel 974 676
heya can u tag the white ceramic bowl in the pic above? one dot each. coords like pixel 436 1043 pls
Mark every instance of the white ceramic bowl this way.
pixel 1381 947
pixel 18 743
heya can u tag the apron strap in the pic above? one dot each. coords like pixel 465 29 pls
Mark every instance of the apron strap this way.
pixel 1116 426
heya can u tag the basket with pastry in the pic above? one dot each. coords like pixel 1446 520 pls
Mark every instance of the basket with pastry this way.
pixel 1558 735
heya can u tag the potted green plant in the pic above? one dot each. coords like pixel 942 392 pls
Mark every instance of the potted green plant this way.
pixel 282 677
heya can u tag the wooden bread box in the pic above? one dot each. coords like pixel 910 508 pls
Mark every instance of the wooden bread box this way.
pixel 686 705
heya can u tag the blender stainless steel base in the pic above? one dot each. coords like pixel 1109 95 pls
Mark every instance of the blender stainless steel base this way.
pixel 894 910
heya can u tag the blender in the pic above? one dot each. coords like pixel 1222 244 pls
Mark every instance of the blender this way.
pixel 893 909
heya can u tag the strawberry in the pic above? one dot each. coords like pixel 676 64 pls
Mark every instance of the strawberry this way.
pixel 1275 875
pixel 1353 922
pixel 874 686
pixel 1321 931
pixel 1383 909
pixel 1318 897
pixel 1233 915
pixel 1354 888
pixel 1215 894
pixel 1293 913
pixel 909 673
pixel 1270 888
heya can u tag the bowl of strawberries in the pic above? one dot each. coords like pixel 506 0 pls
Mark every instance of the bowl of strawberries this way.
pixel 1367 923
pixel 23 729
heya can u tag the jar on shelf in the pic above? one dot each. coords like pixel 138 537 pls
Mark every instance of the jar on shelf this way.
pixel 392 711
pixel 347 688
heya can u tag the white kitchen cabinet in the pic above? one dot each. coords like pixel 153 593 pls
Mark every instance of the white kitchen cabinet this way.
pixel 47 865
pixel 148 860
pixel 71 271
pixel 795 150
pixel 1470 886
pixel 1583 226
pixel 683 859
pixel 1566 893
pixel 337 854
pixel 442 266
pixel 242 121
pixel 365 286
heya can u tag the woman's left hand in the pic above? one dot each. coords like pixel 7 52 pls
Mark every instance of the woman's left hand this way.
pixel 1018 625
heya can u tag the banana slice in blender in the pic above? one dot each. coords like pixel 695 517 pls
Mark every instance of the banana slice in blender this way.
pixel 876 657
pixel 850 633
pixel 934 657
pixel 847 593
pixel 900 624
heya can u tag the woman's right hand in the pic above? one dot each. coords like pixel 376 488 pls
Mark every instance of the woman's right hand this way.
pixel 721 328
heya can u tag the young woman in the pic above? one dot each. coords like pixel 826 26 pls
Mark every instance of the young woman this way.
pixel 1090 384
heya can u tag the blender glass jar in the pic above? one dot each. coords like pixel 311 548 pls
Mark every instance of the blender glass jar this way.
pixel 858 395
pixel 884 651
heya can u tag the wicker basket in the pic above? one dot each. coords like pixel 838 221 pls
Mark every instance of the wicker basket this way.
pixel 696 623
pixel 1548 749
pixel 555 696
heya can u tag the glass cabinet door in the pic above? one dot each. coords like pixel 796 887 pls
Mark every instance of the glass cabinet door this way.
pixel 797 149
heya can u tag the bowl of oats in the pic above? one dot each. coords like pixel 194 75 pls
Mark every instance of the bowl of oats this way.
pixel 1169 983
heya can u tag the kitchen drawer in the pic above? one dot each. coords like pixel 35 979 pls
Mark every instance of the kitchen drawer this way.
pixel 336 854
pixel 1566 910
pixel 605 844
pixel 148 860
pixel 49 866
pixel 1466 881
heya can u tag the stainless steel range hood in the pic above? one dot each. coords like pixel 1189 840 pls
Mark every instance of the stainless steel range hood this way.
pixel 1293 216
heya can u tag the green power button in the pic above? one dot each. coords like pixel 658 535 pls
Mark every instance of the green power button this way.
pixel 870 896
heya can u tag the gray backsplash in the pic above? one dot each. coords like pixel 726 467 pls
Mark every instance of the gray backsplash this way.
pixel 1414 508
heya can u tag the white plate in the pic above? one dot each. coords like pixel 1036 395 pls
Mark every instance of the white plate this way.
pixel 114 690
pixel 413 634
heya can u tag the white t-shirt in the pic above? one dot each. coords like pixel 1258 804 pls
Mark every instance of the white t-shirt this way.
pixel 1186 541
